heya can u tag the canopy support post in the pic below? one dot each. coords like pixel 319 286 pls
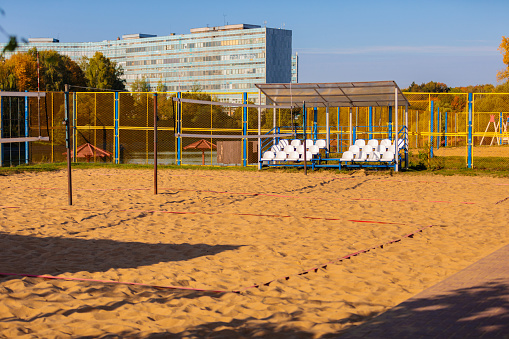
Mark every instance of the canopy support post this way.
pixel 350 132
pixel 396 131
pixel 327 128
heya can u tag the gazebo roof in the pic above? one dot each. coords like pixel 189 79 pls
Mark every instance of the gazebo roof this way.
pixel 337 94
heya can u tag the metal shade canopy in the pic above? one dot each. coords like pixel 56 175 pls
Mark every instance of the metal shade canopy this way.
pixel 337 94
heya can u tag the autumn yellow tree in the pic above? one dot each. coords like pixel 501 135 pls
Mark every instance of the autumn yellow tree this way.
pixel 25 67
pixel 504 49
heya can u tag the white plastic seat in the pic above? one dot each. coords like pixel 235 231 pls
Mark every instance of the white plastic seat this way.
pixel 300 149
pixel 309 143
pixel 382 148
pixel 360 142
pixel 293 156
pixel 268 156
pixel 289 148
pixel 386 142
pixel 283 143
pixel 388 156
pixel 275 148
pixel 295 142
pixel 354 149
pixel 280 156
pixel 373 142
pixel 368 148
pixel 361 156
pixel 347 156
pixel 314 149
pixel 321 143
pixel 309 156
pixel 374 156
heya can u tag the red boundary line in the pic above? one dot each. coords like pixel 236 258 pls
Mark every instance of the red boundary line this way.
pixel 315 269
pixel 254 194
pixel 216 213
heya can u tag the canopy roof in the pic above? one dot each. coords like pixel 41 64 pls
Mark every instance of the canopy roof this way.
pixel 338 94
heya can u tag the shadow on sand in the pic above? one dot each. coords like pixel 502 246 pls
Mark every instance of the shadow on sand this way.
pixel 474 312
pixel 55 255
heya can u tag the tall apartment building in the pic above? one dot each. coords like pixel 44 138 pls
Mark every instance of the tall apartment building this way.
pixel 220 60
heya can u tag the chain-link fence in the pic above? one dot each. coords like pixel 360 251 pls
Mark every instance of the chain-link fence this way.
pixel 122 124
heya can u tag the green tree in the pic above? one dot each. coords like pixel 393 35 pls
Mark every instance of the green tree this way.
pixel 430 87
pixel 140 85
pixel 56 70
pixel 100 72
pixel 161 87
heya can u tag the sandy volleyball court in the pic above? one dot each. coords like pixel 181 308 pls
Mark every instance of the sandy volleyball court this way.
pixel 228 231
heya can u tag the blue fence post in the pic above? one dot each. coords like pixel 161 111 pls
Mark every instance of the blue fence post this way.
pixel 470 139
pixel 116 146
pixel 390 122
pixel 439 127
pixel 304 120
pixel 178 128
pixel 500 128
pixel 370 122
pixel 315 123
pixel 431 128
pixel 244 130
pixel 445 130
pixel 74 126
pixel 26 129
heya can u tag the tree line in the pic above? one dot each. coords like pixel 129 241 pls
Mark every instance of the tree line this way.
pixel 50 71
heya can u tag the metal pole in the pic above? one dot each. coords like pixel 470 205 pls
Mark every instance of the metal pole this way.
pixel 155 143
pixel 116 130
pixel 68 143
pixel 27 117
pixel 327 127
pixel 390 122
pixel 244 130
pixel 407 137
pixel 350 127
pixel 470 139
pixel 179 130
pixel 370 122
pixel 431 128
pixel 275 122
pixel 445 130
pixel 260 129
pixel 396 130
pixel 304 118
pixel 439 127
pixel 315 123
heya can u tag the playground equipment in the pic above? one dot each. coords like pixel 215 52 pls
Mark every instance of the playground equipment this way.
pixel 499 130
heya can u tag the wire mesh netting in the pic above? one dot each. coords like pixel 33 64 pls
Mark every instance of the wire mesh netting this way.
pixel 122 124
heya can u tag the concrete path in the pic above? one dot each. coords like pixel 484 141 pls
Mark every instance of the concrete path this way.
pixel 473 303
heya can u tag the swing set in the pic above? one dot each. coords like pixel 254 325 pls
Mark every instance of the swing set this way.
pixel 500 133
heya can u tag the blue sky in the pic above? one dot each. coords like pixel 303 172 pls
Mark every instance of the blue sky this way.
pixel 448 41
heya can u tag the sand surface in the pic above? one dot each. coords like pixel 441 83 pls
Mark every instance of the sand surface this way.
pixel 229 231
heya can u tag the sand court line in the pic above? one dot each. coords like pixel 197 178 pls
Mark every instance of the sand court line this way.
pixel 251 194
pixel 238 291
